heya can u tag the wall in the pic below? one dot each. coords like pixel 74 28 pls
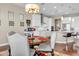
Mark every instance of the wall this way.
pixel 4 27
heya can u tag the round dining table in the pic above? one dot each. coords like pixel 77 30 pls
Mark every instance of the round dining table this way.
pixel 39 38
pixel 36 44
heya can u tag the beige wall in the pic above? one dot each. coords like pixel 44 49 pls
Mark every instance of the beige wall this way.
pixel 4 28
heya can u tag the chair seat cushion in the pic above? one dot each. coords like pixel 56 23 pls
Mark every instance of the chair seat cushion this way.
pixel 44 47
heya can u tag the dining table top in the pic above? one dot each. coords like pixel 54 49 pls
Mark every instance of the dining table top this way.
pixel 39 38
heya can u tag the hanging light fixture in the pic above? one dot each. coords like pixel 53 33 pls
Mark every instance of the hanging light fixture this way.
pixel 32 8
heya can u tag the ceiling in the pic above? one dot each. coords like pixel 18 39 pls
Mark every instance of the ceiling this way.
pixel 56 9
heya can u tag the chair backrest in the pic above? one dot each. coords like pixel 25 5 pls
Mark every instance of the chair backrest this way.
pixel 53 39
pixel 18 45
pixel 36 33
pixel 69 34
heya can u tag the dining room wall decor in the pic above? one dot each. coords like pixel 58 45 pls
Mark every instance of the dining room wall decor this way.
pixel 10 15
pixel 28 22
pixel 11 23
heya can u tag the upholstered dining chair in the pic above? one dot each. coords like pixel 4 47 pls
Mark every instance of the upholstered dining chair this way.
pixel 76 45
pixel 49 47
pixel 53 41
pixel 36 33
pixel 18 44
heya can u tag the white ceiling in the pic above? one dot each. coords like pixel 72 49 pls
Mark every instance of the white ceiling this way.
pixel 56 9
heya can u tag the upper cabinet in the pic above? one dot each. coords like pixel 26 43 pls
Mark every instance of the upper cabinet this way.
pixel 36 20
pixel 48 22
pixel 66 20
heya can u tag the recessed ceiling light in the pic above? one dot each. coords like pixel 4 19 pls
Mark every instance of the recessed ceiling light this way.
pixel 55 7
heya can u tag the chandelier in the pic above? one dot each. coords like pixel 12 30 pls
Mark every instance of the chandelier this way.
pixel 32 8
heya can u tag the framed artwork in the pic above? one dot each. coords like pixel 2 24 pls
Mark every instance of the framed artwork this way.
pixel 28 22
pixel 22 24
pixel 11 23
pixel 21 16
pixel 10 15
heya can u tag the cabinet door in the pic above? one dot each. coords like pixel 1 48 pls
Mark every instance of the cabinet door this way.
pixel 36 20
pixel 47 21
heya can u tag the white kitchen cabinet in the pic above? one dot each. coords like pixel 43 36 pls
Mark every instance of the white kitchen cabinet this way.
pixel 36 20
pixel 48 22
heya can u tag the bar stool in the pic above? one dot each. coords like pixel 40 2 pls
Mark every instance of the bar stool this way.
pixel 67 36
pixel 75 36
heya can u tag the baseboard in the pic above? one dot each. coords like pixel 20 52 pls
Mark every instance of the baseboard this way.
pixel 4 44
pixel 64 42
